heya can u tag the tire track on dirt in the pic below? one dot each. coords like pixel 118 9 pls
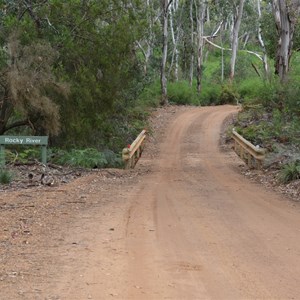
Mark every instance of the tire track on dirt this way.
pixel 190 227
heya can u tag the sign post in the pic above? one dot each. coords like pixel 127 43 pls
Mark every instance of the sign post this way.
pixel 23 140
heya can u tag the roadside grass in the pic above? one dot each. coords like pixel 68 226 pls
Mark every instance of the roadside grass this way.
pixel 290 172
pixel 89 158
pixel 5 176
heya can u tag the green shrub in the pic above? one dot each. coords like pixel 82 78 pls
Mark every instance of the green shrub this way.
pixel 87 158
pixel 19 154
pixel 228 95
pixel 150 96
pixel 291 99
pixel 268 94
pixel 244 69
pixel 282 96
pixel 250 89
pixel 250 133
pixel 112 159
pixel 290 172
pixel 182 93
pixel 295 131
pixel 29 154
pixel 5 176
pixel 210 94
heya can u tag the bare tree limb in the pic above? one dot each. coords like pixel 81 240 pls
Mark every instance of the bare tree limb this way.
pixel 141 48
pixel 229 49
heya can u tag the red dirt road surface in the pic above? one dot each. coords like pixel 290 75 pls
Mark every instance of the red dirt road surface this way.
pixel 189 227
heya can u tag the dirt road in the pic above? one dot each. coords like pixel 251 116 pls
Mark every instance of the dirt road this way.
pixel 190 228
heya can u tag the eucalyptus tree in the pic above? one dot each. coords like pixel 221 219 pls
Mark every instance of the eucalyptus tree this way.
pixel 261 39
pixel 237 18
pixel 236 27
pixel 165 21
pixel 286 14
pixel 148 40
pixel 176 33
pixel 201 7
pixel 191 20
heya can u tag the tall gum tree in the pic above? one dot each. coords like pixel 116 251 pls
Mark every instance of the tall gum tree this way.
pixel 176 33
pixel 286 14
pixel 201 12
pixel 238 14
pixel 147 43
pixel 261 40
pixel 163 78
pixel 191 18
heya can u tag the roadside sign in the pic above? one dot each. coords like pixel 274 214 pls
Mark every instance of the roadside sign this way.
pixel 23 140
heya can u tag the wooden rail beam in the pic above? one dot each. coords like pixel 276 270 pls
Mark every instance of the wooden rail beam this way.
pixel 131 154
pixel 252 155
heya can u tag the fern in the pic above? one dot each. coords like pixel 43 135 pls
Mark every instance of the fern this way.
pixel 290 172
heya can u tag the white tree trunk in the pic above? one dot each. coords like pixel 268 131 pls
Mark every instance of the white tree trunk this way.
pixel 286 14
pixel 163 78
pixel 201 10
pixel 191 73
pixel 235 37
pixel 147 44
pixel 147 54
pixel 246 38
pixel 207 14
pixel 222 57
pixel 175 40
pixel 261 41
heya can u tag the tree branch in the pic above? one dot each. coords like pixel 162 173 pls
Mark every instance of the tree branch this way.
pixel 17 124
pixel 170 2
pixel 141 48
pixel 229 49
pixel 218 29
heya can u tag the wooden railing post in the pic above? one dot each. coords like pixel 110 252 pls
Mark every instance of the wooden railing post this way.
pixel 126 158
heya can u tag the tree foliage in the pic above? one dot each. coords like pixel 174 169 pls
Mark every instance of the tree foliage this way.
pixel 75 69
pixel 88 46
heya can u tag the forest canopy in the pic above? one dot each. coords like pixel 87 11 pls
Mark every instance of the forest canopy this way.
pixel 83 71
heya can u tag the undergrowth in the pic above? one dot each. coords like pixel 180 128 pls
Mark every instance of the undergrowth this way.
pixel 5 176
pixel 182 93
pixel 274 117
pixel 290 172
pixel 86 158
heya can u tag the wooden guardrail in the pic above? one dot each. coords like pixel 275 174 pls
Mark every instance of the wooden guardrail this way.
pixel 132 153
pixel 252 155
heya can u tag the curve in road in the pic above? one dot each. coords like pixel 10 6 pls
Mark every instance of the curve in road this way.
pixel 193 228
pixel 200 230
